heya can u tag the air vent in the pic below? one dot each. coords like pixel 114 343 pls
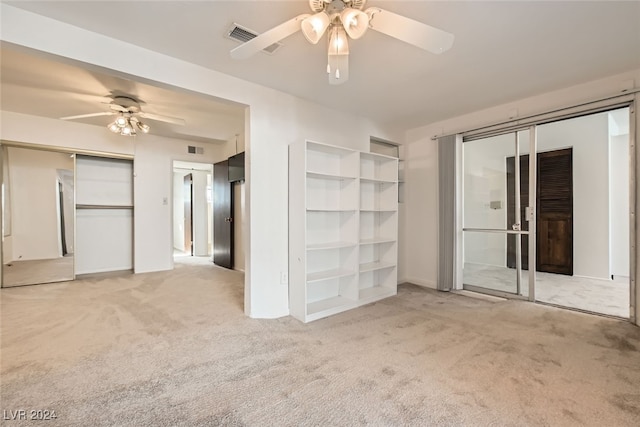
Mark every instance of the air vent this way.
pixel 242 34
pixel 195 150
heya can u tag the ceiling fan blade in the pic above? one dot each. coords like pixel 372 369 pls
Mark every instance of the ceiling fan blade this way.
pixel 159 118
pixel 409 31
pixel 82 116
pixel 268 38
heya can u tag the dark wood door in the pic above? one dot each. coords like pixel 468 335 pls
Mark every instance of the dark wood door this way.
pixel 222 216
pixel 188 214
pixel 555 212
pixel 554 201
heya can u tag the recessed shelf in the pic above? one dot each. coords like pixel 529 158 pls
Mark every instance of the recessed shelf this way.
pixel 372 266
pixel 378 210
pixel 328 274
pixel 329 306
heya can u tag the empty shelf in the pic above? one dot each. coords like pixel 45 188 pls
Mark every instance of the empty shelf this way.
pixel 371 266
pixel 329 306
pixel 328 274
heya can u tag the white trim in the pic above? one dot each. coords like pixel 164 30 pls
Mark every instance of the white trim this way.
pixel 423 283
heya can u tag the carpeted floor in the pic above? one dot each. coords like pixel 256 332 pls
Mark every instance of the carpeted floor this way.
pixel 174 348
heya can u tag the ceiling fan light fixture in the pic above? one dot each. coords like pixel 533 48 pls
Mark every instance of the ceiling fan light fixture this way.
pixel 121 121
pixel 113 127
pixel 338 44
pixel 315 26
pixel 355 22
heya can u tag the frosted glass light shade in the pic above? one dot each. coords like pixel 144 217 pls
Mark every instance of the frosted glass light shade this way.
pixel 121 121
pixel 113 127
pixel 338 43
pixel 314 27
pixel 355 22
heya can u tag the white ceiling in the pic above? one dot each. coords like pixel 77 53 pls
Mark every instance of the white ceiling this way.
pixel 503 51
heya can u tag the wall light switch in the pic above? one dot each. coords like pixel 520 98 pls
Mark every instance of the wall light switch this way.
pixel 165 201
pixel 284 278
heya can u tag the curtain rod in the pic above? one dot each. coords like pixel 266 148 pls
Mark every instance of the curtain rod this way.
pixel 515 121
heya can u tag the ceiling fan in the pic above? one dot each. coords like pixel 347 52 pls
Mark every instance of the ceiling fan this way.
pixel 128 112
pixel 345 19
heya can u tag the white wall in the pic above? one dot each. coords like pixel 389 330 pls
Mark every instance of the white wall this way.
pixel 422 169
pixel 619 204
pixel 273 122
pixel 33 177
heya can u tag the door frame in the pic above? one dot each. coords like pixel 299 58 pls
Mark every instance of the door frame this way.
pixel 607 104
pixel 171 196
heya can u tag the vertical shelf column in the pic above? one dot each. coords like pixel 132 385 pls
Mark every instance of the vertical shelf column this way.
pixel 323 230
pixel 378 250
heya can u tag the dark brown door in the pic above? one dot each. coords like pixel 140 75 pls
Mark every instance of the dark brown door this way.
pixel 188 214
pixel 554 211
pixel 222 216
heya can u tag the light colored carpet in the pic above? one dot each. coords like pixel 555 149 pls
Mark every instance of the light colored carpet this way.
pixel 596 295
pixel 174 348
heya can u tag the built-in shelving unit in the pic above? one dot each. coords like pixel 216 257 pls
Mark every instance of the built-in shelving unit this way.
pixel 343 214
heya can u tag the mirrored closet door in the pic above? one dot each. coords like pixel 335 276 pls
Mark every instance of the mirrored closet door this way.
pixel 38 212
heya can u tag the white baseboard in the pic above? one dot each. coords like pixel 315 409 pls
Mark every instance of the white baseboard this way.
pixel 424 283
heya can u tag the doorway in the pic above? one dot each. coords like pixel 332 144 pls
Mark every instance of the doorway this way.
pixel 192 210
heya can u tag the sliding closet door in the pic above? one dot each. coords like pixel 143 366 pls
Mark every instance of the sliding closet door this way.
pixel 497 185
pixel 104 214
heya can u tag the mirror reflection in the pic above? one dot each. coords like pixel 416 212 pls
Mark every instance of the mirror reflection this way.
pixel 38 216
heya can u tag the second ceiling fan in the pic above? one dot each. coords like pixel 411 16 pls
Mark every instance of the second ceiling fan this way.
pixel 345 19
